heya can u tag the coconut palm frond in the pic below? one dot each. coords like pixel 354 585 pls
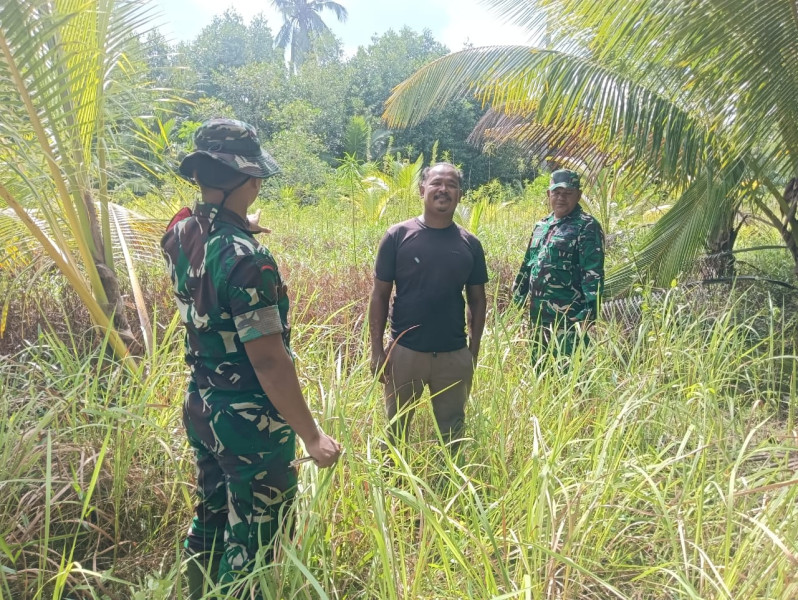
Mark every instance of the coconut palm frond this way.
pixel 676 239
pixel 139 236
pixel 735 62
pixel 17 247
pixel 540 141
pixel 566 92
pixel 301 18
pixel 61 65
pixel 142 235
pixel 339 10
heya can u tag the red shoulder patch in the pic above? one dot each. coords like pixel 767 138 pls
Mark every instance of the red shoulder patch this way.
pixel 183 213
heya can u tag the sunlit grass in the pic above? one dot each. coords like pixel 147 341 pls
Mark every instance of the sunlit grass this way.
pixel 659 465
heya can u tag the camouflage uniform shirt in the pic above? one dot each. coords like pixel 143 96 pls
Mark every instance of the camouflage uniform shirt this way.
pixel 228 292
pixel 563 268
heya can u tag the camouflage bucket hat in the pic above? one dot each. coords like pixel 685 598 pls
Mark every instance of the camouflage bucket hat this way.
pixel 564 178
pixel 233 143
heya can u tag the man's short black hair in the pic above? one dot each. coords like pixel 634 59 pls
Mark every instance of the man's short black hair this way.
pixel 214 174
pixel 425 172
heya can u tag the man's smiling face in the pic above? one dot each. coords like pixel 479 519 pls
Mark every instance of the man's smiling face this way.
pixel 441 190
pixel 563 201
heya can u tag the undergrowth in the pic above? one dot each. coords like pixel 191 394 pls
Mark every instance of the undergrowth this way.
pixel 660 464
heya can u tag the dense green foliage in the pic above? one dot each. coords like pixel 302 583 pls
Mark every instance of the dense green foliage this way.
pixel 231 69
pixel 695 97
pixel 659 466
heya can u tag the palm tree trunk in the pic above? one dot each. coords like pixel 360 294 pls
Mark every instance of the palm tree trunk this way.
pixel 115 308
pixel 789 225
pixel 720 261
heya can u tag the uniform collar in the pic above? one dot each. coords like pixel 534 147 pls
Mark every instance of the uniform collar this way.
pixel 574 213
pixel 225 216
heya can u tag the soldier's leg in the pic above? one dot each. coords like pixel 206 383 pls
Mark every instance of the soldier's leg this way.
pixel 450 380
pixel 540 345
pixel 205 541
pixel 568 339
pixel 406 374
pixel 254 449
pixel 261 489
pixel 202 572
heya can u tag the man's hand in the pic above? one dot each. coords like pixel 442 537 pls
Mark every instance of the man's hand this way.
pixel 254 225
pixel 473 347
pixel 378 367
pixel 324 449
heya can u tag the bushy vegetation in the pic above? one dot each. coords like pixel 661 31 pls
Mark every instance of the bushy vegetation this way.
pixel 659 466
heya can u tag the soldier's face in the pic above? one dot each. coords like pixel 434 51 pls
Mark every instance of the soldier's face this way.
pixel 441 190
pixel 563 201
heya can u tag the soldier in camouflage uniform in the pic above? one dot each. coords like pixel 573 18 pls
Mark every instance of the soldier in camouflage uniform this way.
pixel 244 403
pixel 562 270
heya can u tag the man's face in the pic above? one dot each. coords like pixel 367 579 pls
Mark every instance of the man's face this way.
pixel 249 191
pixel 441 190
pixel 563 201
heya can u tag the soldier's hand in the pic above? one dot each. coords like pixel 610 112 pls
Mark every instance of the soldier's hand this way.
pixel 254 225
pixel 378 365
pixel 324 449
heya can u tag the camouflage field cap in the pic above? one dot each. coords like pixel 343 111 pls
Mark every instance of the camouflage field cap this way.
pixel 564 178
pixel 233 143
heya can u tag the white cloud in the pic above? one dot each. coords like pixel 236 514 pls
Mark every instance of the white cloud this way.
pixel 470 23
pixel 182 20
pixel 452 22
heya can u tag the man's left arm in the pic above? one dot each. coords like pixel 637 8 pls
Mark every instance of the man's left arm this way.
pixel 591 267
pixel 477 307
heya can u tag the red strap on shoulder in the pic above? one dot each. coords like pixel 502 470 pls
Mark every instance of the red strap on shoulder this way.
pixel 183 213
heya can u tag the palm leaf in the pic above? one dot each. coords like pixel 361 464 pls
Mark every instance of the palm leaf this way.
pixel 539 141
pixel 135 241
pixel 675 240
pixel 339 10
pixel 60 62
pixel 736 62
pixel 565 92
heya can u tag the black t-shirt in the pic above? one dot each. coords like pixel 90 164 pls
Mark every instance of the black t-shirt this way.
pixel 430 268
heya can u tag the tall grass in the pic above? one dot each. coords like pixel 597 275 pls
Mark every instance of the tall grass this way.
pixel 659 465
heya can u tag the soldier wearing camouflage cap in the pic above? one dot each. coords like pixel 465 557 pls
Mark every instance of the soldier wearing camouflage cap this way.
pixel 562 269
pixel 244 404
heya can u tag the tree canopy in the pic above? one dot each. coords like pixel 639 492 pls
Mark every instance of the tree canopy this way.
pixel 301 21
pixel 695 96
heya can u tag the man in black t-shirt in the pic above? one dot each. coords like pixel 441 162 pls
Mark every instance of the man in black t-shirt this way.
pixel 431 260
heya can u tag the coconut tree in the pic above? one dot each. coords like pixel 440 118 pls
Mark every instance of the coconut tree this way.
pixel 301 18
pixel 699 97
pixel 63 69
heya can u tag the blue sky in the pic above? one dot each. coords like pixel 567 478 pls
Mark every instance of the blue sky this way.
pixel 453 22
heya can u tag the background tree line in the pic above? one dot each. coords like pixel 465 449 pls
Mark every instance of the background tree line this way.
pixel 313 112
pixel 93 112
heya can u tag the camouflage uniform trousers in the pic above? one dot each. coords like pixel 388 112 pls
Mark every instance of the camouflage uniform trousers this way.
pixel 245 483
pixel 561 340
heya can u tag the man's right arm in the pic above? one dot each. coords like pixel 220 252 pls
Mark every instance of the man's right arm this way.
pixel 277 376
pixel 253 289
pixel 378 318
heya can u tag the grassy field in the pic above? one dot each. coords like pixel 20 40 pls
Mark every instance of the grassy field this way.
pixel 660 466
